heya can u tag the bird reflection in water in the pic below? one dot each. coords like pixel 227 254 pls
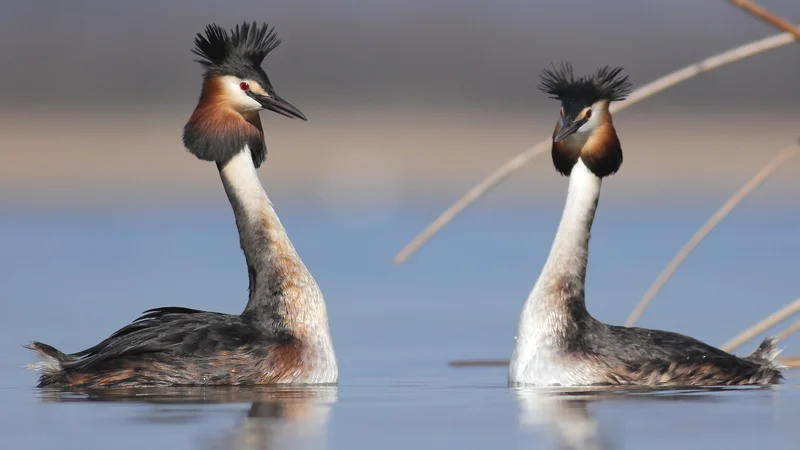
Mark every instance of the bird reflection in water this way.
pixel 565 412
pixel 567 417
pixel 279 417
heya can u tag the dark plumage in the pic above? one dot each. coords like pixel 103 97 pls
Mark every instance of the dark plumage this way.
pixel 219 135
pixel 175 346
pixel 617 355
pixel 660 358
pixel 239 53
pixel 605 84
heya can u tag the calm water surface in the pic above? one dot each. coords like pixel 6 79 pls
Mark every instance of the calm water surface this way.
pixel 72 277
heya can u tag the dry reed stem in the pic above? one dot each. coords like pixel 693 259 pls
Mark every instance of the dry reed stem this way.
pixel 790 330
pixel 479 362
pixel 648 90
pixel 792 362
pixel 770 321
pixel 773 165
pixel 766 16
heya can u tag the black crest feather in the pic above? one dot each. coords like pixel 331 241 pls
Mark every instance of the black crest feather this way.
pixel 606 83
pixel 245 47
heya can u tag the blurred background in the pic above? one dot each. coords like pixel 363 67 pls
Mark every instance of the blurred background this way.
pixel 406 100
pixel 103 214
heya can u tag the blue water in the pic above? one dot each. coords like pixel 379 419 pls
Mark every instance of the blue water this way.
pixel 71 276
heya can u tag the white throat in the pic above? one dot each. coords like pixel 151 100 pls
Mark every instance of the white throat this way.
pixel 558 294
pixel 281 285
pixel 240 176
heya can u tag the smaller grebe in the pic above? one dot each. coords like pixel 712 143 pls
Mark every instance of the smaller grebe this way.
pixel 558 343
pixel 282 336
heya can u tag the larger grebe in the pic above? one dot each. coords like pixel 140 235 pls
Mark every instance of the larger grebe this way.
pixel 558 343
pixel 282 336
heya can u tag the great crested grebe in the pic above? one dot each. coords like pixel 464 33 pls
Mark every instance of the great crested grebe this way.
pixel 558 342
pixel 282 336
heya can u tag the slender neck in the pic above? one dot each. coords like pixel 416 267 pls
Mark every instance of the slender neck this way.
pixel 556 304
pixel 284 298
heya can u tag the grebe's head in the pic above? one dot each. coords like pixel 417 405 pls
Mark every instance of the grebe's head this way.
pixel 235 89
pixel 233 65
pixel 585 128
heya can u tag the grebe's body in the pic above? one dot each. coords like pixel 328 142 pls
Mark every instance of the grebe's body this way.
pixel 282 336
pixel 558 342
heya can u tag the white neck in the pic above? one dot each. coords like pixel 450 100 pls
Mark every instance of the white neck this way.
pixel 556 304
pixel 283 295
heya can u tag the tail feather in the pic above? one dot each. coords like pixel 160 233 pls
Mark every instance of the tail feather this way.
pixel 766 357
pixel 50 366
pixel 766 353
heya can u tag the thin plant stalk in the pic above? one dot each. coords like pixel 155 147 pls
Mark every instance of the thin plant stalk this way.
pixel 478 362
pixel 790 330
pixel 769 322
pixel 759 12
pixel 646 91
pixel 792 362
pixel 773 165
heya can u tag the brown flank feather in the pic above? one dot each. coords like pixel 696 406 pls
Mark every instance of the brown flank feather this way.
pixel 274 364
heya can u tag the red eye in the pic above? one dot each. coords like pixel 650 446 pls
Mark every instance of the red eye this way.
pixel 244 86
pixel 588 114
